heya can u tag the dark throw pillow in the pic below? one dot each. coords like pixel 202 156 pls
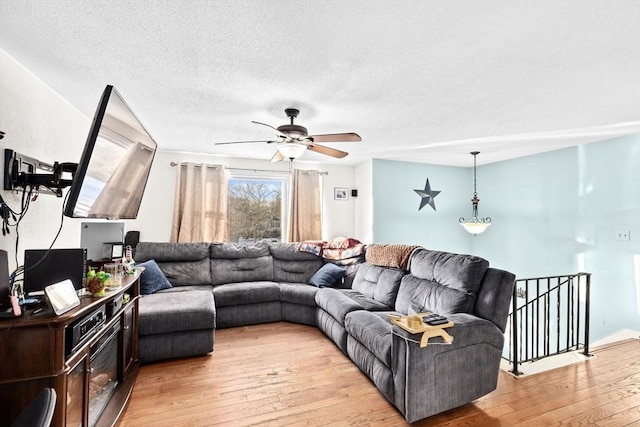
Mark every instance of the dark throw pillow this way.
pixel 152 278
pixel 328 275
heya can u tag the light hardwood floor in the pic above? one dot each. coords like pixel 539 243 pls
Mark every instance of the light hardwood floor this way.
pixel 282 374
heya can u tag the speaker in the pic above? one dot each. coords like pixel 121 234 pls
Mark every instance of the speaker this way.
pixel 4 279
pixel 354 193
pixel 131 239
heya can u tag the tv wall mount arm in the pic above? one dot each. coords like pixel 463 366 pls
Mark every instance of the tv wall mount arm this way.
pixel 21 171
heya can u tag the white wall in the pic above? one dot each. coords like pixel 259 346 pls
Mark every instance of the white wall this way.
pixel 364 202
pixel 40 123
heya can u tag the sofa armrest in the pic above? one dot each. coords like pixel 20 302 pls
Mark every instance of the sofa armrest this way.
pixel 443 376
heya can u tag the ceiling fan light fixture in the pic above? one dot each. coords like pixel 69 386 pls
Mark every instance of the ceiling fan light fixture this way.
pixel 291 150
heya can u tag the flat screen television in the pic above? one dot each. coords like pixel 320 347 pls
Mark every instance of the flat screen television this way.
pixel 114 168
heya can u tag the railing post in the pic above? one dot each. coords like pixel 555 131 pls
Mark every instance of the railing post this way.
pixel 514 329
pixel 586 315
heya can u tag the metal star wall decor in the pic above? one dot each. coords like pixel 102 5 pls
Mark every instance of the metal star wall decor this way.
pixel 427 196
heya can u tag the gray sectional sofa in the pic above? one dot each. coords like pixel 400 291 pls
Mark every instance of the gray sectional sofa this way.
pixel 224 285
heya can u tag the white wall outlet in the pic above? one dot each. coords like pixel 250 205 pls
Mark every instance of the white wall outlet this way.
pixel 623 235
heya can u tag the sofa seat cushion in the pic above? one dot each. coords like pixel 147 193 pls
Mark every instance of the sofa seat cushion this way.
pixel 168 311
pixel 298 293
pixel 364 301
pixel 246 293
pixel 372 331
pixel 336 304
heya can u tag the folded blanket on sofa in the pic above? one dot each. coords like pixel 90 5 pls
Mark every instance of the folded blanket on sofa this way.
pixel 396 256
pixel 338 249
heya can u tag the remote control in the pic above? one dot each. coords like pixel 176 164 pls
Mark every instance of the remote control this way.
pixel 434 319
pixel 437 322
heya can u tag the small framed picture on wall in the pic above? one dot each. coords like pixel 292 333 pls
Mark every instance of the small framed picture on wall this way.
pixel 340 193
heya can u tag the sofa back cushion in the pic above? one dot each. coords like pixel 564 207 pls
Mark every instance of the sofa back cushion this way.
pixel 379 283
pixel 441 282
pixel 292 265
pixel 235 263
pixel 182 263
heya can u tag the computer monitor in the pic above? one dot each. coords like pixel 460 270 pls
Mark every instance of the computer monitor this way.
pixel 43 267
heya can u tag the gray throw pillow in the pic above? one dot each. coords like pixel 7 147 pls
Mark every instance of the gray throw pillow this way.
pixel 328 275
pixel 152 278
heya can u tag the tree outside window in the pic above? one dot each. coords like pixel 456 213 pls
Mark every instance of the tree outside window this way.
pixel 255 210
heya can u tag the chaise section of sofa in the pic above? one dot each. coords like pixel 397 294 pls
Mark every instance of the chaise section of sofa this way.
pixel 179 321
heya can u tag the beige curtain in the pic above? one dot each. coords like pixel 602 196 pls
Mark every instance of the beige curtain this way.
pixel 200 204
pixel 306 216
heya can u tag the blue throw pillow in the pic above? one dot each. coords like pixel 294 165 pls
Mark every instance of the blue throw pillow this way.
pixel 152 278
pixel 328 275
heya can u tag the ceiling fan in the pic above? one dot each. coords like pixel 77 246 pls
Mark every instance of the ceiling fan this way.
pixel 293 140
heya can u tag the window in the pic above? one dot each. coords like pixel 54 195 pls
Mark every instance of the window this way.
pixel 257 208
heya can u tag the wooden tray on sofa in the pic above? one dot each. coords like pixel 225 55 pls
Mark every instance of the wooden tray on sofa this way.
pixel 428 331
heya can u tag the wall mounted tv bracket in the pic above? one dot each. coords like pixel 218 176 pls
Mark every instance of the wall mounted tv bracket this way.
pixel 21 171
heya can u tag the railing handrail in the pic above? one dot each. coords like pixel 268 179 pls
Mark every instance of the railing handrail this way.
pixel 582 273
pixel 548 291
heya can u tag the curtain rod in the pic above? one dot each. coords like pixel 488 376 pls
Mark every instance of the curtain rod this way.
pixel 174 164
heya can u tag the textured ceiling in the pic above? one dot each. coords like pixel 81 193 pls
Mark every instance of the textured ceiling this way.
pixel 424 81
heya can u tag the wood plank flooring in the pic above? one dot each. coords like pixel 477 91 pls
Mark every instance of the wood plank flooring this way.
pixel 284 374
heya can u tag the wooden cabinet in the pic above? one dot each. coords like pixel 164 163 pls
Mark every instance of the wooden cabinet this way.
pixel 93 379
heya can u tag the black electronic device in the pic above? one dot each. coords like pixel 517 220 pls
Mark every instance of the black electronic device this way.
pixel 115 163
pixel 114 305
pixel 5 288
pixel 132 238
pixel 84 328
pixel 434 319
pixel 43 267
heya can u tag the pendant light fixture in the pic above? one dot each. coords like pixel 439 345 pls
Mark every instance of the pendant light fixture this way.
pixel 475 225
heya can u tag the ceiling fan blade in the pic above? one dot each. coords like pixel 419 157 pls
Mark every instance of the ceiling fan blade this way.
pixel 281 134
pixel 337 137
pixel 241 142
pixel 338 154
pixel 277 157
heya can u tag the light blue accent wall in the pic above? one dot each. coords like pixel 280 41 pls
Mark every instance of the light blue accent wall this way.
pixel 553 213
pixel 559 213
pixel 396 218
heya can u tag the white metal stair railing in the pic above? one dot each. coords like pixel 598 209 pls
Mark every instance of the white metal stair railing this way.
pixel 551 316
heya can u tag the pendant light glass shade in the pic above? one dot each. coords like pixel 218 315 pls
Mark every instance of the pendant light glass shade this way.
pixel 291 150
